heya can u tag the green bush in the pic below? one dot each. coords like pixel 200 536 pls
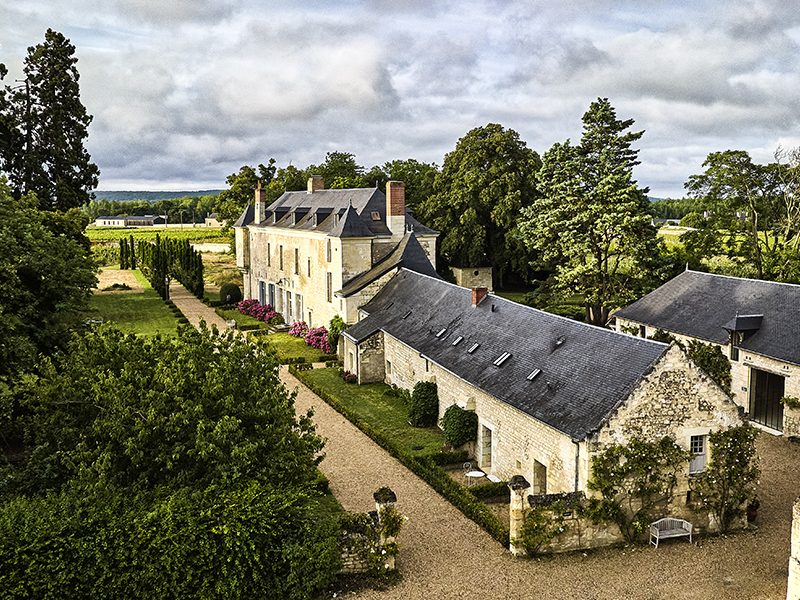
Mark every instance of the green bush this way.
pixel 491 490
pixel 460 426
pixel 711 359
pixel 426 467
pixel 337 325
pixel 232 290
pixel 424 404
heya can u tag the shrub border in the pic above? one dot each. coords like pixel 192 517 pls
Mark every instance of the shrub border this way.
pixel 425 467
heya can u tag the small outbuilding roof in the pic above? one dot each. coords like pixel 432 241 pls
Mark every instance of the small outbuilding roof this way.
pixel 707 306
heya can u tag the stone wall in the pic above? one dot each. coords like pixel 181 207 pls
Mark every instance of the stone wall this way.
pixel 741 371
pixel 518 441
pixel 371 367
pixel 474 277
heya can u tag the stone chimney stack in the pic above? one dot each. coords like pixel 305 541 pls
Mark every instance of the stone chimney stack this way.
pixel 396 207
pixel 261 205
pixel 315 183
pixel 478 294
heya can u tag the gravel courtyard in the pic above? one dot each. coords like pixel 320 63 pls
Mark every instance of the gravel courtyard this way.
pixel 445 555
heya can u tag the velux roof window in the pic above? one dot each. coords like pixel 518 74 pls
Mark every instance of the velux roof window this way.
pixel 473 348
pixel 502 358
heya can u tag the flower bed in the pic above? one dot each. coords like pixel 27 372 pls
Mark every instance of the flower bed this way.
pixel 318 338
pixel 264 313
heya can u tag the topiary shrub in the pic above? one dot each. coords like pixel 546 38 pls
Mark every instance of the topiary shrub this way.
pixel 230 293
pixel 460 426
pixel 424 404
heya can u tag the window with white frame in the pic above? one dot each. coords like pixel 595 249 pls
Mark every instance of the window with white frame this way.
pixel 697 446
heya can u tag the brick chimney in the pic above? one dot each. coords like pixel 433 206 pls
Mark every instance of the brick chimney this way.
pixel 315 183
pixel 478 294
pixel 396 207
pixel 261 205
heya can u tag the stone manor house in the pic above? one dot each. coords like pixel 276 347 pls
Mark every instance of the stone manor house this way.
pixel 549 392
pixel 755 323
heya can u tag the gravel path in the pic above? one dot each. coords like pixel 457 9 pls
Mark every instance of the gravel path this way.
pixel 192 308
pixel 445 555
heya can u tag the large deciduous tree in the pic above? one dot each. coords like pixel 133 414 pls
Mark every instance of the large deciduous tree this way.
pixel 590 221
pixel 478 195
pixel 46 126
pixel 232 202
pixel 756 209
pixel 46 276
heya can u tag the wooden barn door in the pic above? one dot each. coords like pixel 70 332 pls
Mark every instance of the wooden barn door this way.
pixel 765 405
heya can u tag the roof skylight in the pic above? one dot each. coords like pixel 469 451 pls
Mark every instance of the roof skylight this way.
pixel 502 358
pixel 405 316
pixel 457 340
pixel 533 374
pixel 441 332
pixel 473 348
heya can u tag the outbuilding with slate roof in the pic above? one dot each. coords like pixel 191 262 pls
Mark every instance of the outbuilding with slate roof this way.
pixel 755 323
pixel 319 253
pixel 549 392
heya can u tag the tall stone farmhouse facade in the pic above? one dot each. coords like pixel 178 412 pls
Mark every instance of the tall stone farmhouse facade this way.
pixel 319 253
pixel 755 323
pixel 549 392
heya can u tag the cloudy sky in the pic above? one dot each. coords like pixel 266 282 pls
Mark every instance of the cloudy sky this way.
pixel 184 92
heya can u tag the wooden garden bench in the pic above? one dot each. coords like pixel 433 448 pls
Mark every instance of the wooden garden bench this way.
pixel 669 528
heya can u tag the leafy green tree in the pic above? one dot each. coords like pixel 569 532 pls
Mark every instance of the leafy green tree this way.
pixel 418 177
pixel 693 220
pixel 232 202
pixel 591 220
pixel 748 201
pixel 46 277
pixel 478 195
pixel 183 457
pixel 339 165
pixel 48 127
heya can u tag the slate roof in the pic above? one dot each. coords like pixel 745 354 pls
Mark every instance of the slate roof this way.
pixel 247 216
pixel 584 371
pixel 408 253
pixel 296 210
pixel 350 225
pixel 703 305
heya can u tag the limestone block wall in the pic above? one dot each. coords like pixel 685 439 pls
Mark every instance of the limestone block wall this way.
pixel 303 271
pixel 474 277
pixel 356 257
pixel 741 374
pixel 371 365
pixel 676 399
pixel 517 442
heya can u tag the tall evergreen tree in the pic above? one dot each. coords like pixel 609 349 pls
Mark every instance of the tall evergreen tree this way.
pixel 47 126
pixel 591 221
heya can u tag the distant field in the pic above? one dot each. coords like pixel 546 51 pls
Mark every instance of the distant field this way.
pixel 197 234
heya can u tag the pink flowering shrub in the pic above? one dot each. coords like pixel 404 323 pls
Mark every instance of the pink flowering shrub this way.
pixel 348 376
pixel 298 329
pixel 318 338
pixel 253 309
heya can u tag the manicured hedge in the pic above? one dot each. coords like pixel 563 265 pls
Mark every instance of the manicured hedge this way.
pixel 426 467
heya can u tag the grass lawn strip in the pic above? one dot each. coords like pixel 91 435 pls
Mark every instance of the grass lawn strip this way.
pixel 291 347
pixel 142 313
pixel 386 414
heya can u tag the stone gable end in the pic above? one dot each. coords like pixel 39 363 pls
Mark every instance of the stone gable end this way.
pixel 676 398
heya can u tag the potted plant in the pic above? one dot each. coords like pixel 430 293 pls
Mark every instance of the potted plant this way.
pixel 752 509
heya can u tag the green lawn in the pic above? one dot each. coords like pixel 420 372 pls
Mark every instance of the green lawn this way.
pixel 143 313
pixel 289 346
pixel 384 413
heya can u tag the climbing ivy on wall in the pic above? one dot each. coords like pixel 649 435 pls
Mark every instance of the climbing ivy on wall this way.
pixel 730 477
pixel 711 359
pixel 634 480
